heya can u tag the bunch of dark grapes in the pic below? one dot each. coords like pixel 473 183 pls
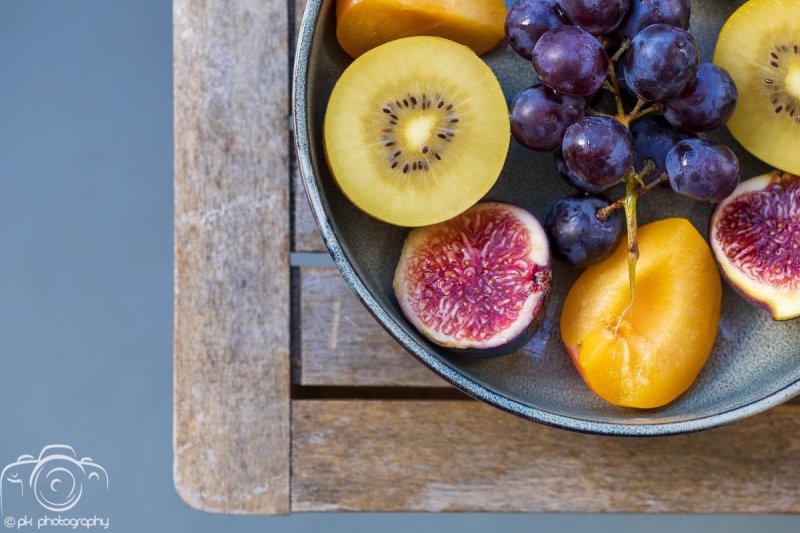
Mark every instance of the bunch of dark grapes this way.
pixel 640 53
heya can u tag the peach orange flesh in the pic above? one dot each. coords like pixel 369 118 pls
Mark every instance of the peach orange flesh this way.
pixel 647 354
pixel 364 24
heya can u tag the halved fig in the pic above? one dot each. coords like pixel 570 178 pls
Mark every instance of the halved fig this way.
pixel 478 283
pixel 755 236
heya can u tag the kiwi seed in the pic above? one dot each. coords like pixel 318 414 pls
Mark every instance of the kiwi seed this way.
pixel 783 97
pixel 417 131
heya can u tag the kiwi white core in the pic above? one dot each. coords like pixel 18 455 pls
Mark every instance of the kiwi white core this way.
pixel 418 130
pixel 415 130
pixel 793 80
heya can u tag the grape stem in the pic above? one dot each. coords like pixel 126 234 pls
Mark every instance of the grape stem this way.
pixel 631 195
pixel 638 112
pixel 612 80
pixel 626 43
pixel 638 190
pixel 612 85
pixel 594 113
pixel 634 183
pixel 634 188
pixel 631 186
pixel 638 107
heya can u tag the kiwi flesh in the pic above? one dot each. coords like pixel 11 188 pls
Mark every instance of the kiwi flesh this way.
pixel 759 46
pixel 416 131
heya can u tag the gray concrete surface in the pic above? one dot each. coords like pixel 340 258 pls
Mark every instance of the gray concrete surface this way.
pixel 86 281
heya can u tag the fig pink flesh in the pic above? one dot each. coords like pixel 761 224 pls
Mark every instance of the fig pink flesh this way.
pixel 759 232
pixel 484 251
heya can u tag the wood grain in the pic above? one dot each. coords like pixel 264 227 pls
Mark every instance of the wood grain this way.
pixel 343 345
pixel 466 456
pixel 231 434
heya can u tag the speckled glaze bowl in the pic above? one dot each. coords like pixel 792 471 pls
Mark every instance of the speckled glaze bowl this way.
pixel 755 363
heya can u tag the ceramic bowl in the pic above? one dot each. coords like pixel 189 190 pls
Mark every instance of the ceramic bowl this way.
pixel 755 363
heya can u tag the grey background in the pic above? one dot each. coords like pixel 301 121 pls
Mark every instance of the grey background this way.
pixel 86 275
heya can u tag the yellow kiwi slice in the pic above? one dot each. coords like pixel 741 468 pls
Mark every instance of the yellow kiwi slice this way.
pixel 759 46
pixel 416 131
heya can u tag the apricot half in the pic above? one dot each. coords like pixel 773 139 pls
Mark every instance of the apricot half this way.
pixel 364 24
pixel 650 354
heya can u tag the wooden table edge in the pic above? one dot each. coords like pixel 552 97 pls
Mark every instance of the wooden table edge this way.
pixel 232 222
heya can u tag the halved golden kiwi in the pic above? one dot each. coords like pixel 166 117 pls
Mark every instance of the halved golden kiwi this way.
pixel 759 46
pixel 416 131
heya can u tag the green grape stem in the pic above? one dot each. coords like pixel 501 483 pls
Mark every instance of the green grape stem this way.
pixel 626 43
pixel 594 113
pixel 634 183
pixel 612 85
pixel 638 111
pixel 611 79
pixel 638 190
pixel 631 185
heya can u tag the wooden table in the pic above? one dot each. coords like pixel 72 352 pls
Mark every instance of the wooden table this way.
pixel 289 397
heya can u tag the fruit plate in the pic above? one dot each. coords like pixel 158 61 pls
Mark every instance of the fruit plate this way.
pixel 755 363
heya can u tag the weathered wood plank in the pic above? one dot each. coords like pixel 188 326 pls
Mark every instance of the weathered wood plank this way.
pixel 466 456
pixel 231 425
pixel 342 344
pixel 306 234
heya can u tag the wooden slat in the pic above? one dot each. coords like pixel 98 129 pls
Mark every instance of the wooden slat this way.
pixel 466 456
pixel 342 344
pixel 231 434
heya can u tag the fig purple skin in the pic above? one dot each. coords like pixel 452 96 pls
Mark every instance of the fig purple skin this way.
pixel 477 284
pixel 754 234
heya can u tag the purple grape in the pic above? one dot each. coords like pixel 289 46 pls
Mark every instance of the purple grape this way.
pixel 643 13
pixel 570 60
pixel 577 235
pixel 654 138
pixel 569 177
pixel 595 16
pixel 540 116
pixel 661 62
pixel 707 103
pixel 598 151
pixel 702 170
pixel 527 20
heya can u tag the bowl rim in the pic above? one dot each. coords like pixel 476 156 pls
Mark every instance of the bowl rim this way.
pixel 400 332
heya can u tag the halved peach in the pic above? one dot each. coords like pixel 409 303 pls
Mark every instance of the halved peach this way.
pixel 364 24
pixel 647 355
